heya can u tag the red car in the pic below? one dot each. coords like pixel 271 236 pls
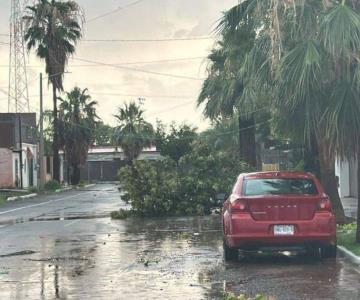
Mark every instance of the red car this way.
pixel 278 211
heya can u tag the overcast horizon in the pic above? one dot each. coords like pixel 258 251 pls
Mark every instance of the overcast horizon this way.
pixel 168 98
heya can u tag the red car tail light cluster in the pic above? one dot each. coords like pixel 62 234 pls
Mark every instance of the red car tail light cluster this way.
pixel 239 205
pixel 324 205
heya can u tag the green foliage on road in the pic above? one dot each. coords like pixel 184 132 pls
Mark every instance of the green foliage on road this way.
pixel 164 188
pixel 230 296
pixel 346 237
pixel 121 214
pixel 175 143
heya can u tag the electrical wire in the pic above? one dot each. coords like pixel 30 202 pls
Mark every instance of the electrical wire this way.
pixel 170 60
pixel 200 38
pixel 113 11
pixel 140 70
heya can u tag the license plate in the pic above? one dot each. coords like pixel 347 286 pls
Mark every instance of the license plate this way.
pixel 284 230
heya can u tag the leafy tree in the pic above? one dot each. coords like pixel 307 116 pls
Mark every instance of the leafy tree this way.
pixel 77 122
pixel 104 134
pixel 164 188
pixel 53 28
pixel 177 142
pixel 133 133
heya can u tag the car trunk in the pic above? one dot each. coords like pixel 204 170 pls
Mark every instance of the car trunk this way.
pixel 282 208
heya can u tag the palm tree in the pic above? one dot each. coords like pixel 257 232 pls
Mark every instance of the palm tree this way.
pixel 293 61
pixel 225 92
pixel 133 133
pixel 77 123
pixel 53 28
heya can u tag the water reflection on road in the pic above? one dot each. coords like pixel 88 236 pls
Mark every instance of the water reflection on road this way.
pixel 175 258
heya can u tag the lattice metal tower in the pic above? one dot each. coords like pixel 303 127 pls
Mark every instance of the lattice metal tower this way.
pixel 18 88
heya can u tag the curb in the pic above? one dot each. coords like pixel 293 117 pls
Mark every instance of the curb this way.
pixel 56 191
pixel 63 190
pixel 74 188
pixel 89 185
pixel 349 255
pixel 21 197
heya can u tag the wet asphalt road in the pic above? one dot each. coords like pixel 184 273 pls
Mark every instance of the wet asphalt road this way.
pixel 65 246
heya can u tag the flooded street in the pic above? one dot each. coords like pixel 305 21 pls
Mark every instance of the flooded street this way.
pixel 90 256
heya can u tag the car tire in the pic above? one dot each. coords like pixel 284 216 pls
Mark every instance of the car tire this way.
pixel 230 254
pixel 329 251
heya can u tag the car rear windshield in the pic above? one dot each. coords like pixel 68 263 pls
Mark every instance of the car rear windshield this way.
pixel 279 186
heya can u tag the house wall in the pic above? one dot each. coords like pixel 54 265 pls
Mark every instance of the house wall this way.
pixel 346 171
pixel 6 168
pixel 353 178
pixel 342 171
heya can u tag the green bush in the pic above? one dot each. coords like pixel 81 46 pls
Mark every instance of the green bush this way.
pixel 121 214
pixel 33 189
pixel 82 183
pixel 230 296
pixel 163 188
pixel 52 185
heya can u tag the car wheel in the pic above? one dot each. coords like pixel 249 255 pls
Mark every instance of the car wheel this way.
pixel 329 251
pixel 230 254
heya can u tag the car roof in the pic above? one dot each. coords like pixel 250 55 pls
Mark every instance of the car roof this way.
pixel 277 174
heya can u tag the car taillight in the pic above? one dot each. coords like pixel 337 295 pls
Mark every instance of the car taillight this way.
pixel 324 205
pixel 239 205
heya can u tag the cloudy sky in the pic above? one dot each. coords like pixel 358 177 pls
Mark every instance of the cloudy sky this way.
pixel 169 98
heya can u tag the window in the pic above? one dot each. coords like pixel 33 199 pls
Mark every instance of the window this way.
pixel 283 186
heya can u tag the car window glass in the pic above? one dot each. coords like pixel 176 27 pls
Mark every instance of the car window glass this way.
pixel 280 186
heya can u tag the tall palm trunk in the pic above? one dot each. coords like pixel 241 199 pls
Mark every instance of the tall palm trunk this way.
pixel 247 141
pixel 311 157
pixel 358 196
pixel 75 176
pixel 55 146
pixel 328 178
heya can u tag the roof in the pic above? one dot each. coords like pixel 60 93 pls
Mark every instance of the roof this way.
pixel 278 174
pixel 112 149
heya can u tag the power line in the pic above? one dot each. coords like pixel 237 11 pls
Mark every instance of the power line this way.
pixel 113 11
pixel 172 108
pixel 200 38
pixel 140 70
pixel 170 60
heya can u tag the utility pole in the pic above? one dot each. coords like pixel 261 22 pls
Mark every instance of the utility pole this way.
pixel 18 87
pixel 20 151
pixel 41 140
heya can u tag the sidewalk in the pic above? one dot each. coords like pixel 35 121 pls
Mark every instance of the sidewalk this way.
pixel 350 206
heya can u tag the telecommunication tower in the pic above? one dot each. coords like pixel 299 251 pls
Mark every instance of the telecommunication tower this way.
pixel 18 94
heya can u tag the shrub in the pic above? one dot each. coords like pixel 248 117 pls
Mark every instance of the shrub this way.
pixel 163 188
pixel 52 185
pixel 230 296
pixel 82 183
pixel 121 214
pixel 33 189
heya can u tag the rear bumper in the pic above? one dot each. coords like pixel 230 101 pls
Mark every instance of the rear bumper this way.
pixel 246 233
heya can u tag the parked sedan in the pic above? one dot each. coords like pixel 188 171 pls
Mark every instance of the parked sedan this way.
pixel 278 211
